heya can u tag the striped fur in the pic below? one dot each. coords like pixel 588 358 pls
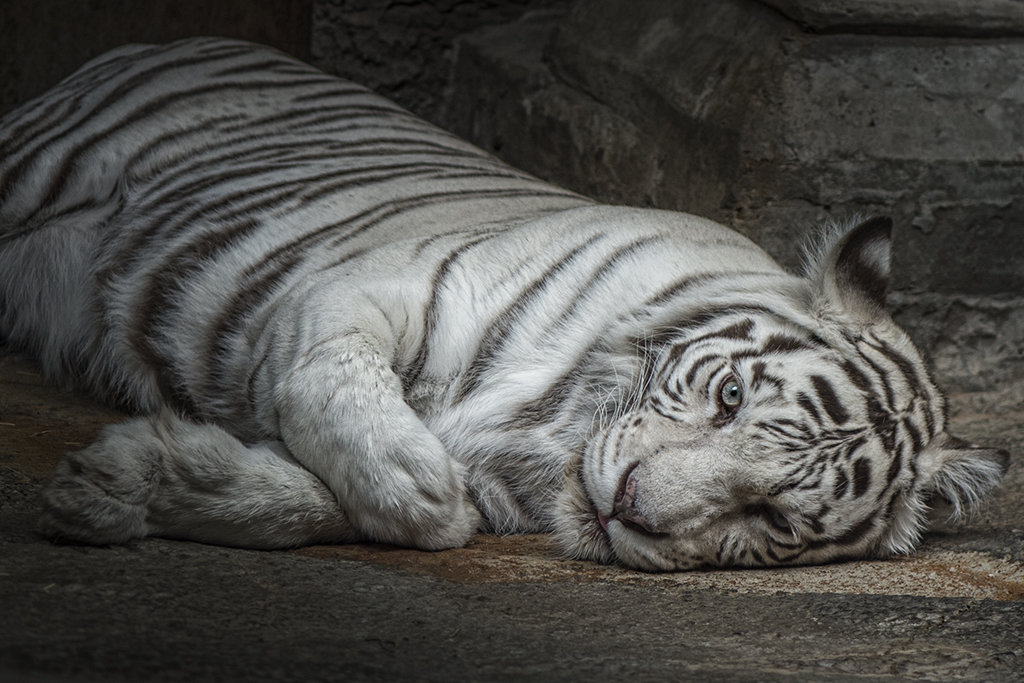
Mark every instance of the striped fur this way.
pixel 336 323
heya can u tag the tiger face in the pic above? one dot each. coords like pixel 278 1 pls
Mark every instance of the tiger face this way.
pixel 761 439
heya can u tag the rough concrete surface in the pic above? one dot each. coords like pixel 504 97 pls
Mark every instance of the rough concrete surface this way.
pixel 501 609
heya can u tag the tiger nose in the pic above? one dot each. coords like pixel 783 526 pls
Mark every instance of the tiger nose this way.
pixel 625 508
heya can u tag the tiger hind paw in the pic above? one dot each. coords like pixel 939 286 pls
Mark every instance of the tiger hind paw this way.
pixel 100 495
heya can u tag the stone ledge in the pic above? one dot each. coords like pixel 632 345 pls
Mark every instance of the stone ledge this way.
pixel 919 17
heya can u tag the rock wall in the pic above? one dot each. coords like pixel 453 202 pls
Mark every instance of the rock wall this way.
pixel 42 41
pixel 402 49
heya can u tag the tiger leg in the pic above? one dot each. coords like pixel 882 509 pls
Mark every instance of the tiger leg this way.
pixel 164 476
pixel 342 414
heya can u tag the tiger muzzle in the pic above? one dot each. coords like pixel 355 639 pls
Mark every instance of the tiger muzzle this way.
pixel 625 509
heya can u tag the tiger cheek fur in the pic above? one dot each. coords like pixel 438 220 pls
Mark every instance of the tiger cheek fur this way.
pixel 338 323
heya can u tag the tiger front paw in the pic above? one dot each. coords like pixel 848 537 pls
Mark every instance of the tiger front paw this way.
pixel 402 509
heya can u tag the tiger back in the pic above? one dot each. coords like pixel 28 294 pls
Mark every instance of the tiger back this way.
pixel 337 322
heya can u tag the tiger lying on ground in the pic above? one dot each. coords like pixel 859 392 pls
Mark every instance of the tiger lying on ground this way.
pixel 340 323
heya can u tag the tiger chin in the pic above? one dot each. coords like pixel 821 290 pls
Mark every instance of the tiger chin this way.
pixel 336 323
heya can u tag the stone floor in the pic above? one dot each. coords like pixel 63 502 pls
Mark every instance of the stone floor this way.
pixel 501 609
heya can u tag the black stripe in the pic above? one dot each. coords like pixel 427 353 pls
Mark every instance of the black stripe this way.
pixel 783 343
pixel 681 286
pixel 122 91
pixel 915 436
pixel 918 384
pixel 841 485
pixel 882 422
pixel 73 94
pixel 814 520
pixel 504 323
pixel 242 149
pixel 788 428
pixel 430 315
pixel 69 160
pixel 600 273
pixel 287 121
pixel 771 552
pixel 894 469
pixel 252 67
pixel 546 407
pixel 250 384
pixel 829 401
pixel 805 402
pixel 691 374
pixel 723 548
pixel 760 376
pixel 250 296
pixel 851 536
pixel 857 378
pixel 155 306
pixel 905 365
pixel 883 376
pixel 740 330
pixel 350 227
pixel 326 120
pixel 674 329
pixel 861 477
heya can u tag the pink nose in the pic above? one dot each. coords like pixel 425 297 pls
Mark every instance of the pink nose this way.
pixel 625 509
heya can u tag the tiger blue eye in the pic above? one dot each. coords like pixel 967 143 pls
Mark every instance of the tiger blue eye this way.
pixel 731 393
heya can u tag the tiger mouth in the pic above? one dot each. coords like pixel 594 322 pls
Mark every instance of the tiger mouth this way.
pixel 602 521
pixel 620 494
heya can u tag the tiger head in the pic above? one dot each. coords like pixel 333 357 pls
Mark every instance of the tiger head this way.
pixel 771 434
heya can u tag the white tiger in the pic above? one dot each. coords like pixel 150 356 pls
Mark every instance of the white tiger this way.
pixel 340 323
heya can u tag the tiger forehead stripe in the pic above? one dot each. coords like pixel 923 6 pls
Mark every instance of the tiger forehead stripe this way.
pixel 696 366
pixel 738 330
pixel 760 376
pixel 829 399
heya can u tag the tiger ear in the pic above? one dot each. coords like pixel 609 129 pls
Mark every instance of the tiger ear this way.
pixel 960 473
pixel 852 271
